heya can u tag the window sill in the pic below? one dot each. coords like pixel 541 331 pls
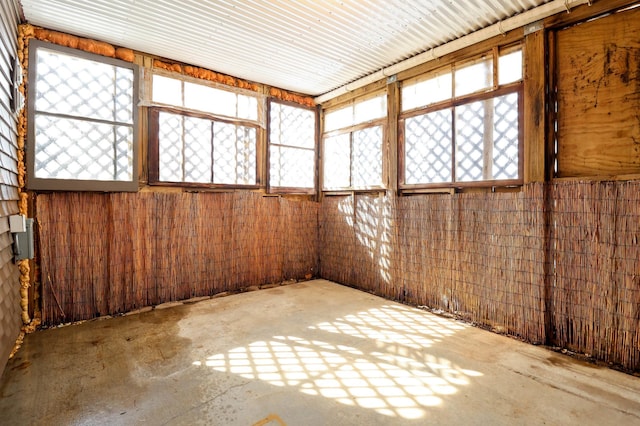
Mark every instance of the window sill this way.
pixel 189 186
pixel 455 187
pixel 338 192
pixel 291 191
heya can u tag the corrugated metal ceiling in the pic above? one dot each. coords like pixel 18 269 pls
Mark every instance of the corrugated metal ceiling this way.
pixel 308 46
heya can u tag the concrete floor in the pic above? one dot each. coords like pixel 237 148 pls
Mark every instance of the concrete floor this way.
pixel 312 353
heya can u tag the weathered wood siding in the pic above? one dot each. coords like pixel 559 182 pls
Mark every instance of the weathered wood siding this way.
pixel 9 286
pixel 598 84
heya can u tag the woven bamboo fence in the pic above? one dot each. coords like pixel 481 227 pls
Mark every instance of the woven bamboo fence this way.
pixel 594 238
pixel 554 263
pixel 480 256
pixel 103 254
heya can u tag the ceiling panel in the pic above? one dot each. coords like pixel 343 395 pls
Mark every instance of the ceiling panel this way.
pixel 307 46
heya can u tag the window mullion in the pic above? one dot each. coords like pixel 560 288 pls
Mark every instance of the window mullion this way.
pixel 73 143
pixel 487 154
pixel 454 144
pixel 183 143
pixel 213 148
pixel 351 161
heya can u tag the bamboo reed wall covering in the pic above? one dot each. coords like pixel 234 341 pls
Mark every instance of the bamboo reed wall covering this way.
pixel 480 256
pixel 594 288
pixel 110 253
pixel 555 263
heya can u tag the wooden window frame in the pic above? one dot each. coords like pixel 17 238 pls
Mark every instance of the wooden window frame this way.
pixel 456 101
pixel 382 122
pixel 154 149
pixel 35 183
pixel 291 190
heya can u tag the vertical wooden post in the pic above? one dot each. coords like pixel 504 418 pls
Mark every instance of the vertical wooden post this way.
pixel 262 166
pixel 145 64
pixel 393 108
pixel 534 107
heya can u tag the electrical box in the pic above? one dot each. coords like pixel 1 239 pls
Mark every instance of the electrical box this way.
pixel 23 242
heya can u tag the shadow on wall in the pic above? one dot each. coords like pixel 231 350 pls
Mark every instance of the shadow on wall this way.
pixel 357 238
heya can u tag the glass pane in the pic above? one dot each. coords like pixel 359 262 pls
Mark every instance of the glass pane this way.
pixel 124 153
pixel 124 95
pixel 234 154
pixel 474 77
pixel 505 137
pixel 291 167
pixel 337 162
pixel 247 107
pixel 510 67
pixel 435 89
pixel 170 147
pixel 167 90
pixel 370 109
pixel 338 119
pixel 292 126
pixel 367 157
pixel 83 88
pixel 428 148
pixel 247 155
pixel 210 99
pixel 82 150
pixel 470 133
pixel 197 150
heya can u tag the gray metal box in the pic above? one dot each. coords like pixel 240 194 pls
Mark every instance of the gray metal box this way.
pixel 23 248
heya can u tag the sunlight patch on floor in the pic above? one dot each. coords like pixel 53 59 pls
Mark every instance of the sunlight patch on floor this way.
pixel 400 378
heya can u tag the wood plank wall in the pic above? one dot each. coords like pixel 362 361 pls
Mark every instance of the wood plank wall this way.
pixel 9 285
pixel 598 91
pixel 104 254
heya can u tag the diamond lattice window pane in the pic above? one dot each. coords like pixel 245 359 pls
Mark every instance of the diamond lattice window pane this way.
pixel 470 130
pixel 505 137
pixel 124 95
pixel 337 162
pixel 428 148
pixel 170 147
pixel 82 150
pixel 292 126
pixel 124 153
pixel 291 167
pixel 83 88
pixel 234 154
pixel 367 157
pixel 197 150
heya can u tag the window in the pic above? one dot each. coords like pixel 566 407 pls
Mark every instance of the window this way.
pixel 352 145
pixel 82 121
pixel 461 124
pixel 201 134
pixel 292 142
